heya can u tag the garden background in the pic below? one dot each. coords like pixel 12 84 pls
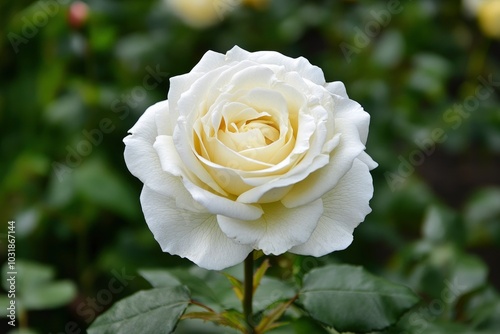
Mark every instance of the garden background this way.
pixel 75 78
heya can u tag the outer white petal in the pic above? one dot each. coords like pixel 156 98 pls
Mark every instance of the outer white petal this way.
pixel 143 162
pixel 195 236
pixel 354 112
pixel 210 61
pixel 163 119
pixel 178 85
pixel 145 128
pixel 364 157
pixel 337 88
pixel 344 208
pixel 277 230
pixel 300 64
pixel 140 156
pixel 324 179
pixel 221 205
pixel 182 83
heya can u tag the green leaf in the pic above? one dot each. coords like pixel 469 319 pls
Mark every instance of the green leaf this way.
pixel 67 111
pixel 214 289
pixel 230 318
pixel 4 304
pixel 237 286
pixel 259 273
pixel 351 299
pixel 482 217
pixel 99 184
pixel 446 267
pixel 482 310
pixel 270 291
pixel 50 295
pixel 29 274
pixel 440 225
pixel 300 326
pixel 426 322
pixel 35 288
pixel 269 321
pixel 469 273
pixel 196 282
pixel 153 311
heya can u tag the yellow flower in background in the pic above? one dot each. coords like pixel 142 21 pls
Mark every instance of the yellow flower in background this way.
pixel 471 7
pixel 488 15
pixel 489 18
pixel 202 13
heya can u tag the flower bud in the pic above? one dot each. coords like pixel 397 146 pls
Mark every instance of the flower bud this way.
pixel 78 14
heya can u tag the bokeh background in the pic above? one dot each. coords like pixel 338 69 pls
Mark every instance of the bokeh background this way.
pixel 76 76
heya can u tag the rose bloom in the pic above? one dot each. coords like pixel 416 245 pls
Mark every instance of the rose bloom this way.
pixel 252 151
pixel 488 15
pixel 489 18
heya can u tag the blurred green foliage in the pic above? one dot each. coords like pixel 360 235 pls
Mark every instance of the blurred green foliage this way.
pixel 69 94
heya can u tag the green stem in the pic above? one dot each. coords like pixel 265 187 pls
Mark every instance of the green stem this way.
pixel 248 293
pixel 194 302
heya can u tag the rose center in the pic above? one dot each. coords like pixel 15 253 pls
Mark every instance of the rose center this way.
pixel 242 134
pixel 264 124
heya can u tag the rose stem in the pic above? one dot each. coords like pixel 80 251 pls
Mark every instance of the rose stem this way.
pixel 248 294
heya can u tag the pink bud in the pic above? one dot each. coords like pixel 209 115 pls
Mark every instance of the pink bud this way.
pixel 78 14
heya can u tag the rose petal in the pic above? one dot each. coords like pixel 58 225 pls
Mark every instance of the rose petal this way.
pixel 354 112
pixel 345 207
pixel 310 142
pixel 300 64
pixel 337 88
pixel 140 156
pixel 324 179
pixel 182 83
pixel 364 157
pixel 200 95
pixel 210 61
pixel 169 158
pixel 145 127
pixel 186 152
pixel 163 120
pixel 277 230
pixel 170 162
pixel 143 162
pixel 195 236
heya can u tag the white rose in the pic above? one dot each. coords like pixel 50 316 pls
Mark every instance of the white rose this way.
pixel 252 151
